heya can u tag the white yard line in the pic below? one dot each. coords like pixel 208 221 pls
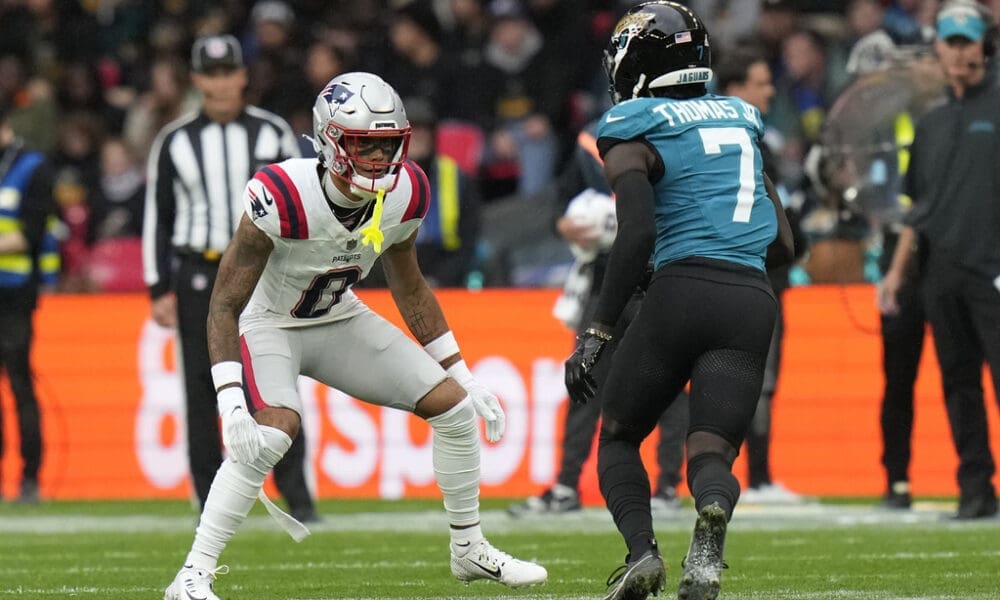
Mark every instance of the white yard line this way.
pixel 591 520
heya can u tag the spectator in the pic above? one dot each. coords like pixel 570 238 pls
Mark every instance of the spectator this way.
pixel 809 84
pixel 529 87
pixel 275 56
pixel 114 232
pixel 954 220
pixel 80 89
pixel 77 173
pixel 32 105
pixel 778 20
pixel 471 28
pixel 168 96
pixel 910 21
pixel 446 241
pixel 571 40
pixel 196 173
pixel 730 22
pixel 117 212
pixel 864 17
pixel 27 260
pixel 417 67
pixel 272 25
pixel 62 31
pixel 324 61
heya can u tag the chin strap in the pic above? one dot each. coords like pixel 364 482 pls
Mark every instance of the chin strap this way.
pixel 371 235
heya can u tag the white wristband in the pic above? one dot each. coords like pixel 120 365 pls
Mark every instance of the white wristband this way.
pixel 442 346
pixel 229 399
pixel 460 372
pixel 227 372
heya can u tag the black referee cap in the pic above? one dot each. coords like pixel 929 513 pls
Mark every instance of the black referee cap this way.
pixel 216 52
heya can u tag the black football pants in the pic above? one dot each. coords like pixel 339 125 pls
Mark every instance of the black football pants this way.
pixel 581 419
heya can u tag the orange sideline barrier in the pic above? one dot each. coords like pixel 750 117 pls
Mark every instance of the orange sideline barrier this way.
pixel 113 426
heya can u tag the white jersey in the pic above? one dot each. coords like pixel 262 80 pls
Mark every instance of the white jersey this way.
pixel 315 261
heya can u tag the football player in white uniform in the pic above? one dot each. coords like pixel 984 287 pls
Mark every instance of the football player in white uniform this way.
pixel 283 306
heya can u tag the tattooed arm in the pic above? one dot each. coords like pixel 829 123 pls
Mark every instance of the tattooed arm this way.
pixel 414 298
pixel 241 266
pixel 423 315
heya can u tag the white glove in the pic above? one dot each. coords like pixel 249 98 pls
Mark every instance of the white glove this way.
pixel 240 432
pixel 486 404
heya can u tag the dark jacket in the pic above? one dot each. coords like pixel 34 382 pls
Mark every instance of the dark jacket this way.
pixel 954 180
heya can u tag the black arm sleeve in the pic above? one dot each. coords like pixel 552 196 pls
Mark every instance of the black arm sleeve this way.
pixel 632 248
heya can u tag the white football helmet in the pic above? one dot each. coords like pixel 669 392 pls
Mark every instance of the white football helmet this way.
pixel 360 132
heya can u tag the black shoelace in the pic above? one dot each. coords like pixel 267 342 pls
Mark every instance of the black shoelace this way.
pixel 616 575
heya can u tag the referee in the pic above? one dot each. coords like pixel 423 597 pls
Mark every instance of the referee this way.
pixel 198 166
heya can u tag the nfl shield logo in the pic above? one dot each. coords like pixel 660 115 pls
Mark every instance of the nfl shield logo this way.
pixel 352 244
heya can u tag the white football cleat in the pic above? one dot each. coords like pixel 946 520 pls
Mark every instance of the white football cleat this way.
pixel 483 561
pixel 193 584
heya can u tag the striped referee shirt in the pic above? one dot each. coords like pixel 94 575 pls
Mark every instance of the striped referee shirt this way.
pixel 196 173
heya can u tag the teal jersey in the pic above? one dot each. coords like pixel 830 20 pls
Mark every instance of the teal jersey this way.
pixel 711 200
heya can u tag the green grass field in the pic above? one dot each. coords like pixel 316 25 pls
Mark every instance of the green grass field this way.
pixel 373 549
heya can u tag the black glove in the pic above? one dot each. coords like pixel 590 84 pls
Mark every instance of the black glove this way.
pixel 579 382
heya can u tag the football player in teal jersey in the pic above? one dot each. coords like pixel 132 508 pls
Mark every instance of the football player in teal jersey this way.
pixel 686 169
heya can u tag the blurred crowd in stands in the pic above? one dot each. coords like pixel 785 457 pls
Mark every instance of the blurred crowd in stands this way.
pixel 508 85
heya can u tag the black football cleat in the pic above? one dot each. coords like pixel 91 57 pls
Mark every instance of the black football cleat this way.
pixel 636 580
pixel 701 579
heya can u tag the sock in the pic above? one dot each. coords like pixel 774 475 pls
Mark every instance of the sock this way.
pixel 625 486
pixel 462 540
pixel 455 454
pixel 233 493
pixel 710 480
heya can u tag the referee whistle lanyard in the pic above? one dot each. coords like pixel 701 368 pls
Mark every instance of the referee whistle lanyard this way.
pixel 371 235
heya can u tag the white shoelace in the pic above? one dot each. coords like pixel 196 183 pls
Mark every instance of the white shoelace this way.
pixel 493 555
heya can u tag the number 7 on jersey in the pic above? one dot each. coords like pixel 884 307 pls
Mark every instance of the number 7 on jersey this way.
pixel 713 139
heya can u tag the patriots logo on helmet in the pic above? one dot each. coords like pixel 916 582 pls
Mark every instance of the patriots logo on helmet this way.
pixel 336 93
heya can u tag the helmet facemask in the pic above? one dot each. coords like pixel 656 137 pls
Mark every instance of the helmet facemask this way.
pixel 368 160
